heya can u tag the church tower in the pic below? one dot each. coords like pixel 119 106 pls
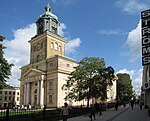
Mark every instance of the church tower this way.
pixel 41 80
pixel 47 42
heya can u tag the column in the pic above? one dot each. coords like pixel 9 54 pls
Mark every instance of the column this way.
pixel 42 92
pixel 28 94
pixel 38 93
pixel 25 88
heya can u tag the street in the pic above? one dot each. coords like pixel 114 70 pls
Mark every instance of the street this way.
pixel 123 114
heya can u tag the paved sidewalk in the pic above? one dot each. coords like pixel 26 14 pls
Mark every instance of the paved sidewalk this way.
pixel 123 114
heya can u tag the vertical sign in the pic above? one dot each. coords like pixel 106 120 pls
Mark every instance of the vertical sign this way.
pixel 145 25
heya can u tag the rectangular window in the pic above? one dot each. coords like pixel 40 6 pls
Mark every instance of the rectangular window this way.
pixel 67 65
pixel 0 92
pixel 5 92
pixel 5 98
pixel 0 97
pixel 50 98
pixel 9 93
pixel 13 93
pixel 17 93
pixel 9 98
pixel 50 86
pixel 17 98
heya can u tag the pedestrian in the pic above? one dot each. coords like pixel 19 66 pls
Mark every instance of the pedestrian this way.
pixel 81 108
pixel 96 107
pixel 65 111
pixel 116 106
pixel 92 112
pixel 124 104
pixel 132 104
pixel 141 105
pixel 100 109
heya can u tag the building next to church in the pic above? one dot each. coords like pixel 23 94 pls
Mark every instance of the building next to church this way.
pixel 9 97
pixel 42 79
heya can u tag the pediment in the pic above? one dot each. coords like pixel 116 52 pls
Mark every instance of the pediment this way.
pixel 33 72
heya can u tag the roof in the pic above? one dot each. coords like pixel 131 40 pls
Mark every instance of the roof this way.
pixel 48 14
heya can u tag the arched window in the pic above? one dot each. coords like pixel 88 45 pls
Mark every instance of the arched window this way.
pixel 52 45
pixel 59 48
pixel 38 46
pixel 56 46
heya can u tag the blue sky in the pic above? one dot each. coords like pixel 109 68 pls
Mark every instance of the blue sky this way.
pixel 108 29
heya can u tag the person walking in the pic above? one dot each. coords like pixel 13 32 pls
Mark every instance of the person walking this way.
pixel 124 104
pixel 116 106
pixel 100 109
pixel 92 112
pixel 96 107
pixel 141 105
pixel 65 111
pixel 132 104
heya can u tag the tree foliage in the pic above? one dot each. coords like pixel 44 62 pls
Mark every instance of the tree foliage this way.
pixel 5 67
pixel 89 80
pixel 124 87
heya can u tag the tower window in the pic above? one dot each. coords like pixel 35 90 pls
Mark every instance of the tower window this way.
pixel 47 24
pixel 56 46
pixel 54 30
pixel 59 48
pixel 52 45
pixel 38 46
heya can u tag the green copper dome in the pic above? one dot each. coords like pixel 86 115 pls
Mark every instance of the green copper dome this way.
pixel 48 14
pixel 47 22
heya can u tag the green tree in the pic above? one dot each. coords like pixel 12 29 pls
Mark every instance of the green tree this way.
pixel 124 87
pixel 5 67
pixel 89 80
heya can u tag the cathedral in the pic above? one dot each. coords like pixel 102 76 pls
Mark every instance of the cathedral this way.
pixel 42 79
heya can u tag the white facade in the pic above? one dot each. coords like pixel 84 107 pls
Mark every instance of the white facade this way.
pixel 9 97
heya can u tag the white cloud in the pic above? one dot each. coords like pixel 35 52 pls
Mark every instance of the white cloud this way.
pixel 65 2
pixel 111 32
pixel 17 51
pixel 133 43
pixel 131 72
pixel 136 77
pixel 72 45
pixel 133 6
